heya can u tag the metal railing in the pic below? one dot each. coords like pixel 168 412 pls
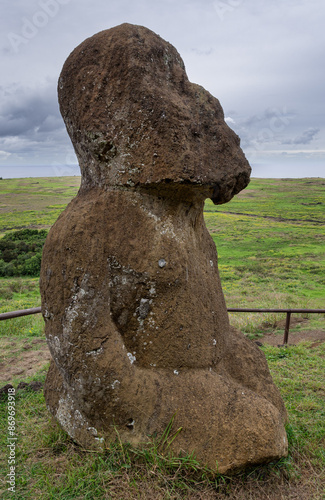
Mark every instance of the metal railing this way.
pixel 288 317
pixel 37 310
pixel 22 312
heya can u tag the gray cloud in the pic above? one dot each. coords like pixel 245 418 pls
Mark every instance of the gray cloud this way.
pixel 32 131
pixel 305 138
pixel 262 60
pixel 262 131
pixel 24 111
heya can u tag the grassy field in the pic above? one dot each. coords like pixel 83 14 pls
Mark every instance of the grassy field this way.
pixel 270 240
pixel 271 247
pixel 34 203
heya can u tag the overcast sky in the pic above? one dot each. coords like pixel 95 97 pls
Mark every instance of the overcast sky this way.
pixel 263 59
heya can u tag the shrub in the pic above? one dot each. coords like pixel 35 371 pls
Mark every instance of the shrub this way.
pixel 21 252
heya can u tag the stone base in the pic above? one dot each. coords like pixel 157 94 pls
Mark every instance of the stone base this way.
pixel 229 420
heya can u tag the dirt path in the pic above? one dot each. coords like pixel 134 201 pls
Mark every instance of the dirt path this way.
pixel 21 358
pixel 314 336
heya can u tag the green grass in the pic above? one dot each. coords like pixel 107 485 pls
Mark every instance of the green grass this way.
pixel 50 465
pixel 271 247
pixel 270 240
pixel 285 199
pixel 34 202
pixel 299 373
pixel 16 294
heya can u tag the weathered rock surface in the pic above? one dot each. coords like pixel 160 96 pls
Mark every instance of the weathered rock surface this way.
pixel 135 316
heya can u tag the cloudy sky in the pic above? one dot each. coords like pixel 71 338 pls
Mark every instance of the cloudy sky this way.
pixel 263 59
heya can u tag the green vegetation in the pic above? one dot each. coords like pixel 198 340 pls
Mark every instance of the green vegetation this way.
pixel 16 294
pixel 282 199
pixel 271 247
pixel 34 203
pixel 21 252
pixel 270 241
pixel 50 465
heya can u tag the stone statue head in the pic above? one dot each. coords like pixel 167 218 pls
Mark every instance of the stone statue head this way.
pixel 135 119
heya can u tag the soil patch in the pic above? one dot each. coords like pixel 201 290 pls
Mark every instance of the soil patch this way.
pixel 22 358
pixel 314 336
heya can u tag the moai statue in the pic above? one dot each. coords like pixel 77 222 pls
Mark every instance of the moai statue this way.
pixel 136 320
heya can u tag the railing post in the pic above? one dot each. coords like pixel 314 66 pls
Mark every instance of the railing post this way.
pixel 287 327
